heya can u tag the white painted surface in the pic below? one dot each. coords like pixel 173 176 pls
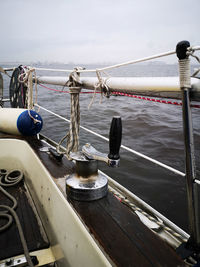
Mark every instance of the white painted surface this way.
pixel 8 120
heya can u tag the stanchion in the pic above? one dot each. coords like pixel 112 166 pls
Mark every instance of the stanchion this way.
pixel 192 193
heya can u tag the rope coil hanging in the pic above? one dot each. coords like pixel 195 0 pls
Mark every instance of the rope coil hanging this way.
pixel 72 135
pixel 26 78
pixel 73 140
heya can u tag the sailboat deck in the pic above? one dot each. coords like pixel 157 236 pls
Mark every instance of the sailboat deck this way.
pixel 10 243
pixel 118 231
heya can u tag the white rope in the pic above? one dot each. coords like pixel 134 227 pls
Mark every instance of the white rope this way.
pixel 138 60
pixel 116 65
pixel 4 71
pixel 102 86
pixel 36 88
pixel 96 86
pixel 46 69
pixel 122 146
pixel 192 49
pixel 30 89
pixel 197 181
pixel 23 77
pixel 34 119
pixel 72 135
pixel 184 73
pixel 27 78
pixel 196 71
pixel 73 140
pixel 113 66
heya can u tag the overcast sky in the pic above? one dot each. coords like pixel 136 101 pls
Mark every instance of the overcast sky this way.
pixel 92 31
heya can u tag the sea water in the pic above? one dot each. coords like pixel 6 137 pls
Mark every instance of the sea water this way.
pixel 153 129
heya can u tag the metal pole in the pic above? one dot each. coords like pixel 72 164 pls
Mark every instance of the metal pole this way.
pixel 1 90
pixel 192 193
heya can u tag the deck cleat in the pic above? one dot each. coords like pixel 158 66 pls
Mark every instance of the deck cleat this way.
pixel 87 184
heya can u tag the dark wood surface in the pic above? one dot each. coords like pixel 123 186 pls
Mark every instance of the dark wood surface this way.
pixel 117 229
pixel 124 238
pixel 57 168
pixel 10 243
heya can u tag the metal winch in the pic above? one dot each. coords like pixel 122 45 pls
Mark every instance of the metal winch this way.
pixel 87 183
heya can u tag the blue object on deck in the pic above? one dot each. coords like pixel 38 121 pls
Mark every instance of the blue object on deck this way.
pixel 26 125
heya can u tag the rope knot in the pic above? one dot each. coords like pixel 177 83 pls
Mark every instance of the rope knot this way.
pixel 102 86
pixel 74 78
pixel 106 90
pixel 25 75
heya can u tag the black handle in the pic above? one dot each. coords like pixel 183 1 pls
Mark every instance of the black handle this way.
pixel 56 155
pixel 115 138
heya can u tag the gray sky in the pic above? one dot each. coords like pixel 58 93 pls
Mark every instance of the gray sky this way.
pixel 91 31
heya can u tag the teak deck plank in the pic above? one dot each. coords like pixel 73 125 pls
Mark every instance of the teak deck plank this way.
pixel 122 235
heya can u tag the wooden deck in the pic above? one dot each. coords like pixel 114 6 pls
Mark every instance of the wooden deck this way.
pixel 120 233
pixel 10 243
pixel 124 238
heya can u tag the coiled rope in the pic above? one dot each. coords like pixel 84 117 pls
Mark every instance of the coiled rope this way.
pixel 8 179
pixel 26 77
